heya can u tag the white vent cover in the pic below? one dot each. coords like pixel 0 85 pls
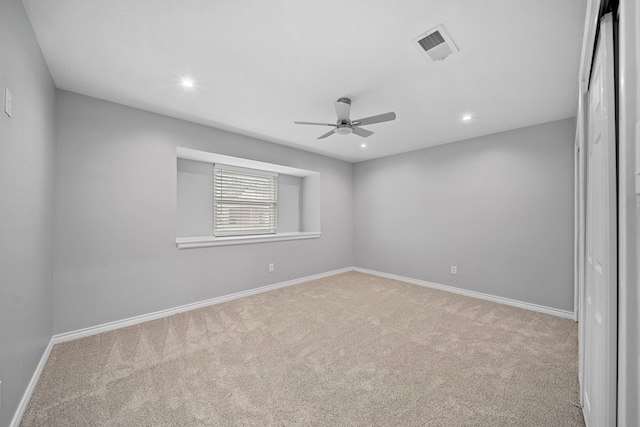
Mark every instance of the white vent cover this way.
pixel 435 44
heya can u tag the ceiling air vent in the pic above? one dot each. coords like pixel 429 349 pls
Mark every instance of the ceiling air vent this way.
pixel 435 44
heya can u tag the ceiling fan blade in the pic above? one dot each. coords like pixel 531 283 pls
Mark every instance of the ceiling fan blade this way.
pixel 327 134
pixel 343 107
pixel 314 123
pixel 375 119
pixel 362 132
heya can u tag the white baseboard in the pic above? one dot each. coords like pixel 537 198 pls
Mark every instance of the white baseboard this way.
pixel 515 303
pixel 31 387
pixel 92 330
pixel 68 336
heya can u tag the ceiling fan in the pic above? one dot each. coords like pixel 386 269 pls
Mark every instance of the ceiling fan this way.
pixel 344 125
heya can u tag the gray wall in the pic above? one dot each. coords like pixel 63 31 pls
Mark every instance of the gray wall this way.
pixel 27 151
pixel 500 207
pixel 194 198
pixel 289 198
pixel 116 216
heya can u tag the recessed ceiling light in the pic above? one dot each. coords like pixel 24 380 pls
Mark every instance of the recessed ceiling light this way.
pixel 363 145
pixel 466 117
pixel 187 82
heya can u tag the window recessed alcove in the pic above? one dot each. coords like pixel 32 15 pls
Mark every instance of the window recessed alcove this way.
pixel 298 208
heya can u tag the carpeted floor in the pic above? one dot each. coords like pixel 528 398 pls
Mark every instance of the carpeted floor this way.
pixel 348 350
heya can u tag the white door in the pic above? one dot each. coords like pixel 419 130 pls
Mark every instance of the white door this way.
pixel 600 341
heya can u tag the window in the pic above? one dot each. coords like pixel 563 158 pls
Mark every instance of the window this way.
pixel 245 201
pixel 286 206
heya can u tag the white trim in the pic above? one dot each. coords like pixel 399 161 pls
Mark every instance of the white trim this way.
pixel 31 387
pixel 221 166
pixel 206 241
pixel 592 18
pixel 93 330
pixel 105 327
pixel 500 300
pixel 628 213
pixel 207 157
pixel 576 226
pixel 579 237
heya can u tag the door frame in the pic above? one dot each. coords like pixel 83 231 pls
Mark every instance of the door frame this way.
pixel 580 228
pixel 629 213
pixel 588 48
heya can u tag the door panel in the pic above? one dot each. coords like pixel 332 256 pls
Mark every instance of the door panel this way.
pixel 600 339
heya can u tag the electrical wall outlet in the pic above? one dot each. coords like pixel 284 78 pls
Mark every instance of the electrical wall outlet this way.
pixel 271 268
pixel 454 269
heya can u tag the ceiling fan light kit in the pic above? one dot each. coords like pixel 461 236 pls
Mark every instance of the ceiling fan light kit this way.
pixel 343 130
pixel 344 125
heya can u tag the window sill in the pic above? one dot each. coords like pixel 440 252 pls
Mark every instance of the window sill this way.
pixel 207 241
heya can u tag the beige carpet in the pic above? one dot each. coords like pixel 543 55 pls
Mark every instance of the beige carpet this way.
pixel 348 350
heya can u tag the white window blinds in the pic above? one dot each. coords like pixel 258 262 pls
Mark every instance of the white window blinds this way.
pixel 245 201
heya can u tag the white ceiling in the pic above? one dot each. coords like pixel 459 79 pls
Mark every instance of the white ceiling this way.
pixel 261 65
